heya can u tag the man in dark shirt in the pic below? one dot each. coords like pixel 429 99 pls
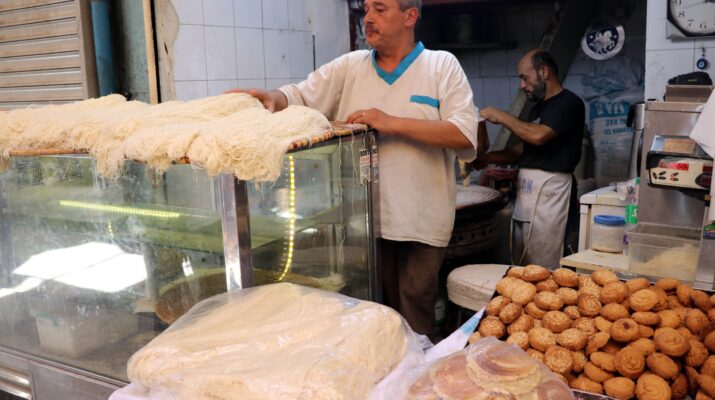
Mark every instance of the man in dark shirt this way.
pixel 549 151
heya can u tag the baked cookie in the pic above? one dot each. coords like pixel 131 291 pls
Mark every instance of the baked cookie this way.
pixel 496 304
pixel 647 346
pixel 583 383
pixel 643 300
pixel 646 318
pixel 556 321
pixel 535 354
pixel 668 319
pixel 679 387
pixel 547 285
pixel 585 325
pixel 579 360
pixel 596 342
pixel 516 272
pixel 669 342
pixel 492 326
pixel 520 339
pixel 572 339
pixel 646 331
pixel 667 284
pixel 565 277
pixel 569 296
pixel 614 311
pixel 682 292
pixel 603 324
pixel 630 362
pixel 652 387
pixel 548 301
pixel 663 366
pixel 558 359
pixel 620 388
pixel 534 311
pixel 572 312
pixel 625 330
pixel 696 320
pixel 700 299
pixel 510 313
pixel 596 374
pixel 637 284
pixel 535 273
pixel 523 293
pixel 614 292
pixel 698 353
pixel 541 338
pixel 603 360
pixel 603 276
pixel 588 305
pixel 522 324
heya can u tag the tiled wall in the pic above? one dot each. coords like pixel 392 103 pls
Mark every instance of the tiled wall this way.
pixel 667 58
pixel 224 44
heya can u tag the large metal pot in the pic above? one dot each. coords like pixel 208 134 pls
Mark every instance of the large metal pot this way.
pixel 475 225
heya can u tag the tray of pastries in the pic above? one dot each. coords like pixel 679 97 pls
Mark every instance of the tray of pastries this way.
pixel 608 337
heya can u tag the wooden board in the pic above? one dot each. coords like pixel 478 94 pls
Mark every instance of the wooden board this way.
pixel 592 259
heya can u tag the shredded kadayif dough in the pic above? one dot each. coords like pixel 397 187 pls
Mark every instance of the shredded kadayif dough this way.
pixel 279 341
pixel 227 133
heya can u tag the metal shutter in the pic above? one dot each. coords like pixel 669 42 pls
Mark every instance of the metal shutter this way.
pixel 45 56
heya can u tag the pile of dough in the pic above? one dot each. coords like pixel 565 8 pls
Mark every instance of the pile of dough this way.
pixel 228 133
pixel 280 341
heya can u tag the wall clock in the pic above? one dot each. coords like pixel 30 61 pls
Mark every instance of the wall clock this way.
pixel 693 18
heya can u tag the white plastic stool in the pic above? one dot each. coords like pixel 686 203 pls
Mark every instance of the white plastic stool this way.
pixel 472 286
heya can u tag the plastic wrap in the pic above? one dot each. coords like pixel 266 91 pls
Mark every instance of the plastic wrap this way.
pixel 488 369
pixel 280 341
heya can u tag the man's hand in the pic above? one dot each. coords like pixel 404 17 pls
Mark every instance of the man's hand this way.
pixel 273 100
pixel 493 115
pixel 481 162
pixel 377 119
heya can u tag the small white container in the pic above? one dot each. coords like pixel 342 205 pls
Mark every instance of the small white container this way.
pixel 607 233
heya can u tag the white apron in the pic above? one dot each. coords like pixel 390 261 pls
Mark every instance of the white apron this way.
pixel 539 218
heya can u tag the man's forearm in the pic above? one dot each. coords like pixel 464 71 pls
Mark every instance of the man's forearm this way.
pixel 535 134
pixel 434 133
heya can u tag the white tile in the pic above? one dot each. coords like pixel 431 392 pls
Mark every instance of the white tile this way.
pixel 220 53
pixel 218 87
pixel 252 83
pixel 249 53
pixel 276 83
pixel 189 11
pixel 663 65
pixel 656 36
pixel 492 64
pixel 514 86
pixel 470 63
pixel 190 54
pixel 299 15
pixel 657 9
pixel 497 93
pixel 276 45
pixel 248 13
pixel 513 56
pixel 477 85
pixel 330 22
pixel 218 12
pixel 704 42
pixel 301 54
pixel 275 14
pixel 190 90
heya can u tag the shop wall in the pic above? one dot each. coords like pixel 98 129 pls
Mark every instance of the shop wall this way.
pixel 666 58
pixel 224 44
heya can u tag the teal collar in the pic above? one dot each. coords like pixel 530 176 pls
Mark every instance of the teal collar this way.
pixel 391 77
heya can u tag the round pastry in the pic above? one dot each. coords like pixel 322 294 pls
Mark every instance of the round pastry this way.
pixel 422 389
pixel 554 388
pixel 637 284
pixel 523 293
pixel 663 366
pixel 652 387
pixel 568 295
pixel 572 312
pixel 535 273
pixel 492 326
pixel 696 320
pixel 603 360
pixel 572 339
pixel 682 313
pixel 692 375
pixel 614 311
pixel 585 325
pixel 707 384
pixel 646 317
pixel 506 285
pixel 520 339
pixel 556 321
pixel 603 276
pixel 583 383
pixel 673 301
pixel 667 284
pixel 565 277
pixel 643 300
pixel 679 387
pixel 548 301
pixel 496 304
pixel 541 338
pixel 685 332
pixel 668 319
pixel 586 285
pixel 700 299
pixel 702 396
pixel 535 354
pixel 558 359
pixel 625 330
pixel 629 362
pixel 533 310
pixel 537 323
pixel 647 346
pixel 711 314
pixel 547 285
pixel 646 331
pixel 708 367
pixel 697 354
pixel 596 374
pixel 709 341
pixel 614 292
pixel 620 388
pixel 626 303
pixel 603 324
pixel 516 272
pixel 510 313
pixel 683 294
pixel 612 347
pixel 597 341
pixel 522 324
pixel 496 363
pixel 579 360
pixel 662 303
pixel 474 337
pixel 669 342
pixel 588 305
pixel 450 378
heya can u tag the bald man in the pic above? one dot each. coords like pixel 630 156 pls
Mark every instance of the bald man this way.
pixel 549 151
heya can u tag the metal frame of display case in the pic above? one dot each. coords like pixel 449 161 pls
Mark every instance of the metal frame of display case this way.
pixel 35 377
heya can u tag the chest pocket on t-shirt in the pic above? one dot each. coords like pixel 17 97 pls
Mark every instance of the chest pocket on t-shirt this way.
pixel 429 106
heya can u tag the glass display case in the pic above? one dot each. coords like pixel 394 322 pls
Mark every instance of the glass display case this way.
pixel 92 269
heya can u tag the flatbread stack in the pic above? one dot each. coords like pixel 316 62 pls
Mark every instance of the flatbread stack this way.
pixel 489 370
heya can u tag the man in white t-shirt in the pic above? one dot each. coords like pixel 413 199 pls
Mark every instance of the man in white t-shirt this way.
pixel 420 103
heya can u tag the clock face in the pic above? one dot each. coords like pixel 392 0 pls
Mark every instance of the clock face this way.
pixel 693 17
